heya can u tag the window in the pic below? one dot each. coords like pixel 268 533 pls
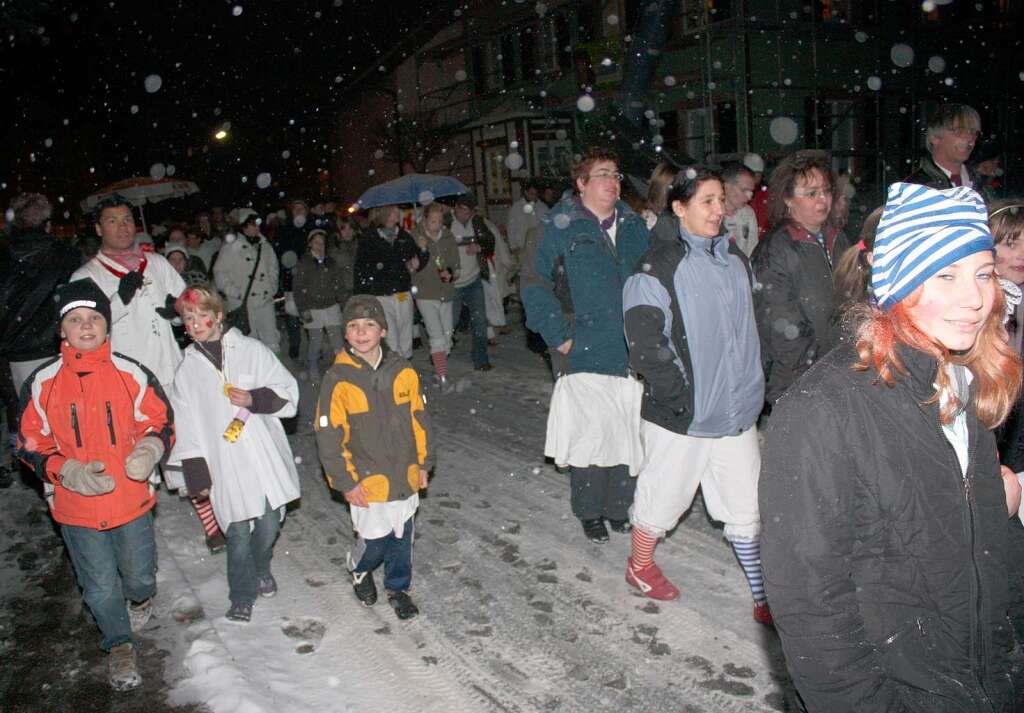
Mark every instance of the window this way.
pixel 552 158
pixel 486 68
pixel 698 142
pixel 507 59
pixel 696 14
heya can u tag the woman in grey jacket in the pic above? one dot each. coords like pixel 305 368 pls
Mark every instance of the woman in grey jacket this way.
pixel 689 319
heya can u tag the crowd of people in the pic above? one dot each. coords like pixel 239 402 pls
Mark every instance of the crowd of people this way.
pixel 850 405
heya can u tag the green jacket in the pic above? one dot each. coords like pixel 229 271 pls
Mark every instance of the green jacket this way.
pixel 444 255
pixel 372 427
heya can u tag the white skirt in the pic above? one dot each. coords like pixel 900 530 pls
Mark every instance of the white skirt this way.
pixel 595 420
pixel 326 317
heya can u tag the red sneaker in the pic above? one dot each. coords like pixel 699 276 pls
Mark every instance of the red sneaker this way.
pixel 650 581
pixel 763 615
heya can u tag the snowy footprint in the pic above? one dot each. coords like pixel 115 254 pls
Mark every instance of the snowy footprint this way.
pixel 308 630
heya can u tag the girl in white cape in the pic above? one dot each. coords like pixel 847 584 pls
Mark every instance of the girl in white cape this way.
pixel 228 396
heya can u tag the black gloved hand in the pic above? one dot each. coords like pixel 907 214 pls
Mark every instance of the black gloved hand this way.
pixel 128 286
pixel 167 311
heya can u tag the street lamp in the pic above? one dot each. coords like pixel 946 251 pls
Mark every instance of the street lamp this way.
pixel 220 135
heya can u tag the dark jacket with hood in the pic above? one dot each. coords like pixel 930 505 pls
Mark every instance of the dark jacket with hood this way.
pixel 794 301
pixel 30 271
pixel 380 264
pixel 576 262
pixel 885 565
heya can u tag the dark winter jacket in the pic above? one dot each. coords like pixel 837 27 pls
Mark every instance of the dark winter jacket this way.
pixel 576 253
pixel 372 427
pixel 927 173
pixel 380 265
pixel 344 253
pixel 318 284
pixel 290 239
pixel 707 382
pixel 30 271
pixel 794 302
pixel 885 567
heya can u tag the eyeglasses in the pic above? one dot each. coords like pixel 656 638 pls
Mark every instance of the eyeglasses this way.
pixel 606 176
pixel 814 193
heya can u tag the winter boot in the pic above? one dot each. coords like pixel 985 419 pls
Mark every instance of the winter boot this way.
pixel 365 589
pixel 216 542
pixel 240 612
pixel 266 586
pixel 403 605
pixel 650 581
pixel 140 614
pixel 595 530
pixel 122 670
pixel 621 526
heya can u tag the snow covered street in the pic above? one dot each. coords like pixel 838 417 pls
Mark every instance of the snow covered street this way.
pixel 518 611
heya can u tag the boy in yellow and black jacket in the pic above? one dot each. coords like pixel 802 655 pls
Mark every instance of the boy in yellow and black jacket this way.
pixel 373 435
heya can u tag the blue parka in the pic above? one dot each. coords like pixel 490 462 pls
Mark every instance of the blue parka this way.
pixel 572 285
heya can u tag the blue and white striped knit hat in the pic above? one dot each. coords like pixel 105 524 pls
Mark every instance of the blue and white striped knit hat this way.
pixel 923 230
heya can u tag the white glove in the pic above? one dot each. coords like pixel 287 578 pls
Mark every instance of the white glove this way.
pixel 140 462
pixel 86 478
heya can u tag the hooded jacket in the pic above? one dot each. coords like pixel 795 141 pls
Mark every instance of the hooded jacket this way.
pixel 576 262
pixel 794 302
pixel 372 427
pixel 885 565
pixel 30 271
pixel 708 383
pixel 92 406
pixel 380 264
pixel 318 284
pixel 444 255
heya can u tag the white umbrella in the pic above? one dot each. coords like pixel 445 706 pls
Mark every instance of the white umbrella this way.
pixel 142 190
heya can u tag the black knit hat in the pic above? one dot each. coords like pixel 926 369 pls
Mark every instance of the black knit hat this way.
pixel 82 293
pixel 363 307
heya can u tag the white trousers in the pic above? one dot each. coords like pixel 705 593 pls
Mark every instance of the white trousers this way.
pixel 399 315
pixel 726 469
pixel 437 318
pixel 263 323
pixel 493 305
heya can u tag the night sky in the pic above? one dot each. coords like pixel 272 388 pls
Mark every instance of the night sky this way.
pixel 78 113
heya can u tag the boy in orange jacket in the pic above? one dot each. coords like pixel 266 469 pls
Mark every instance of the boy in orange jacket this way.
pixel 94 424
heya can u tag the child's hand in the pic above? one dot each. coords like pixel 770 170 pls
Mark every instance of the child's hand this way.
pixel 357 496
pixel 423 479
pixel 240 397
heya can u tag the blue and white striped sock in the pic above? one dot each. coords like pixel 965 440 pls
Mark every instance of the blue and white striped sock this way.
pixel 748 552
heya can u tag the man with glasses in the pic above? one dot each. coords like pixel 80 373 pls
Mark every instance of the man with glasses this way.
pixel 740 222
pixel 572 291
pixel 950 137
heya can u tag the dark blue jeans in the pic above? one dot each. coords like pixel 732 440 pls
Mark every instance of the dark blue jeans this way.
pixel 293 325
pixel 473 297
pixel 250 548
pixel 394 552
pixel 111 566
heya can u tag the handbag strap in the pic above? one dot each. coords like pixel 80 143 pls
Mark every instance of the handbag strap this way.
pixel 252 277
